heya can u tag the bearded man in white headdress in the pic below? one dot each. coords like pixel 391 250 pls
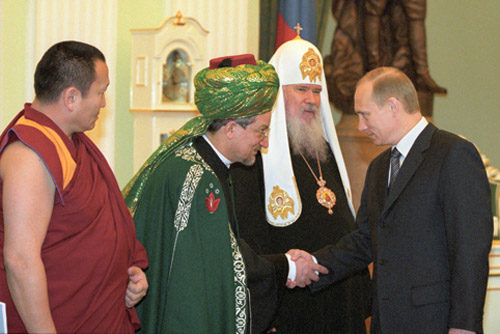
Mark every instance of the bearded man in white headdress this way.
pixel 297 195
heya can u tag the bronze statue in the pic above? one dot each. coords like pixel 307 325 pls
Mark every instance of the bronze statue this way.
pixel 372 33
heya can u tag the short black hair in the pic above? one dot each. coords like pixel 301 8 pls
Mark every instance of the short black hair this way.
pixel 65 64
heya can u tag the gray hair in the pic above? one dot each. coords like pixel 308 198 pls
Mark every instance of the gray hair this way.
pixel 219 123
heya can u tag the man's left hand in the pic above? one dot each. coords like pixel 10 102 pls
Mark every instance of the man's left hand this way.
pixel 137 286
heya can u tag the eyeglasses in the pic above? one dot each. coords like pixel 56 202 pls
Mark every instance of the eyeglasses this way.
pixel 263 134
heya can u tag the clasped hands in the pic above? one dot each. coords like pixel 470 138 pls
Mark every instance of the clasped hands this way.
pixel 307 270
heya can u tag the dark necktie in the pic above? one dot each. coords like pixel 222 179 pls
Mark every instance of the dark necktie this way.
pixel 395 158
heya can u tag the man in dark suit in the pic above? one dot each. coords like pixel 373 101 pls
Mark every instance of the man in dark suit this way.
pixel 425 218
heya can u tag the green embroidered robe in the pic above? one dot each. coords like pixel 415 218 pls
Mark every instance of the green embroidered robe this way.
pixel 197 279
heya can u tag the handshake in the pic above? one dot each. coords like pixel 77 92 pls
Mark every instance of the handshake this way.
pixel 307 270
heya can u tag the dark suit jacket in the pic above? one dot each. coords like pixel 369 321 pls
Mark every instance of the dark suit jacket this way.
pixel 429 238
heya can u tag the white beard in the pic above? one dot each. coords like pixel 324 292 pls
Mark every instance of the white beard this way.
pixel 307 138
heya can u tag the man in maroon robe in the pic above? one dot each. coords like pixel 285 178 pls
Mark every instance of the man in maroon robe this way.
pixel 70 260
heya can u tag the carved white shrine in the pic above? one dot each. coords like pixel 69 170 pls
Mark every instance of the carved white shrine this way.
pixel 164 62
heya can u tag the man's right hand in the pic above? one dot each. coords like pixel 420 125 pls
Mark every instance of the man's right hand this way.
pixel 307 270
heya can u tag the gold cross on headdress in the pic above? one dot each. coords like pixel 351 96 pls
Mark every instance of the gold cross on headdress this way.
pixel 298 29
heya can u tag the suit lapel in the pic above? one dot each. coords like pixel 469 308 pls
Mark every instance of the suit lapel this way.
pixel 410 165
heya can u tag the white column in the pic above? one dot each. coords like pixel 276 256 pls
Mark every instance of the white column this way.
pixel 89 21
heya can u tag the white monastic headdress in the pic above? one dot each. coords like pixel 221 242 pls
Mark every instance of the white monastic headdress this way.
pixel 297 62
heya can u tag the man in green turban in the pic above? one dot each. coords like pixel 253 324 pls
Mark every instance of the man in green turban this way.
pixel 181 200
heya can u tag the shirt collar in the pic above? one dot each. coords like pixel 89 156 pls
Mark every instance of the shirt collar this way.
pixel 225 160
pixel 405 144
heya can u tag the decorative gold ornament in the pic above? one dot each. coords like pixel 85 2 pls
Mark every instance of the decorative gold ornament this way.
pixel 310 65
pixel 298 29
pixel 179 20
pixel 280 203
pixel 324 195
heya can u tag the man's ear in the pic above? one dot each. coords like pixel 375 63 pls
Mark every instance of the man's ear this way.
pixel 229 129
pixel 394 105
pixel 71 97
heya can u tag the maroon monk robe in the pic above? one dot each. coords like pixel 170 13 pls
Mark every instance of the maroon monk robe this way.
pixel 90 242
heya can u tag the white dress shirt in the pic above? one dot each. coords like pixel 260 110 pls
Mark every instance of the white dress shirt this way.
pixel 405 144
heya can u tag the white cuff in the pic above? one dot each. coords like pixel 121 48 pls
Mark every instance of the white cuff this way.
pixel 291 268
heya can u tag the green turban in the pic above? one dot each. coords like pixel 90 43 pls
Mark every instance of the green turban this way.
pixel 236 92
pixel 220 93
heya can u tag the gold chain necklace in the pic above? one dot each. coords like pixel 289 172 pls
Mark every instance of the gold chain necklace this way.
pixel 324 195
